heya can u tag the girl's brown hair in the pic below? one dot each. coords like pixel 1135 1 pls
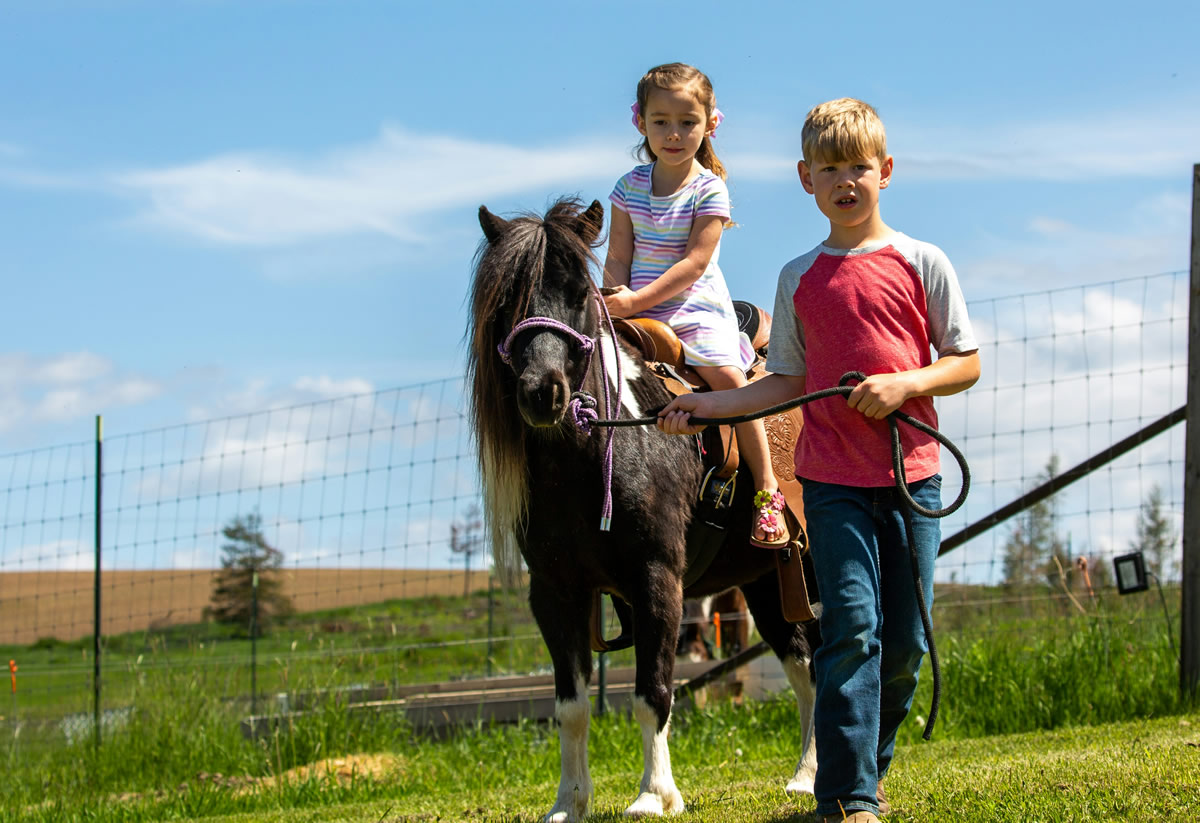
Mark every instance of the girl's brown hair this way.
pixel 671 77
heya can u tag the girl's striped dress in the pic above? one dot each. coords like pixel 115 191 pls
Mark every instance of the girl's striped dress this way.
pixel 702 315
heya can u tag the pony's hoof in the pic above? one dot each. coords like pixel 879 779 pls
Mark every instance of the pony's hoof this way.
pixel 557 815
pixel 649 804
pixel 801 785
pixel 568 810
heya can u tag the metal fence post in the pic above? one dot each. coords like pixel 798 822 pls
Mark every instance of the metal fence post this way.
pixel 96 589
pixel 254 645
pixel 1189 619
pixel 491 619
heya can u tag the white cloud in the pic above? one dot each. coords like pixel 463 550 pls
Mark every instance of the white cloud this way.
pixel 1050 226
pixel 65 386
pixel 72 367
pixel 325 386
pixel 56 555
pixel 1151 238
pixel 386 186
pixel 1150 145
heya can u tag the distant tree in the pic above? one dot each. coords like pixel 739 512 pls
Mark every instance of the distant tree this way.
pixel 466 538
pixel 1156 536
pixel 248 553
pixel 1033 543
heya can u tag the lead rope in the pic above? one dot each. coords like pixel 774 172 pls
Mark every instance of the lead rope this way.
pixel 606 511
pixel 583 408
pixel 582 404
pixel 901 487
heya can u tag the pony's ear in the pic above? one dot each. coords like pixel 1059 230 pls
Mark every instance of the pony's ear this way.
pixel 588 224
pixel 493 226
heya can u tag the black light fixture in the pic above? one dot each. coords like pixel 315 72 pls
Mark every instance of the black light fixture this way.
pixel 1132 577
pixel 1131 573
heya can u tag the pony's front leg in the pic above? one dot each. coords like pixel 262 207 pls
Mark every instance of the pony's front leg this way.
pixel 564 626
pixel 656 617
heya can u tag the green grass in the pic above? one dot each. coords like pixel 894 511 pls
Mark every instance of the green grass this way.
pixel 1143 770
pixel 1036 704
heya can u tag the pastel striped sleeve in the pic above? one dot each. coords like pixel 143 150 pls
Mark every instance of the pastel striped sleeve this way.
pixel 713 198
pixel 620 194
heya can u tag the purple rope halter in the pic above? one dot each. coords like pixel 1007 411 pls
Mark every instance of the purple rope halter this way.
pixel 582 405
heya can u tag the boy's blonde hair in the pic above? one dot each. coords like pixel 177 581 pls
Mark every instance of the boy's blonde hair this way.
pixel 678 76
pixel 843 129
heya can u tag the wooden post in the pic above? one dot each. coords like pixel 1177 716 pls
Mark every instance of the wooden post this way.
pixel 1189 619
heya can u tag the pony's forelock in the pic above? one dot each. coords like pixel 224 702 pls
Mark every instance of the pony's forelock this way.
pixel 508 273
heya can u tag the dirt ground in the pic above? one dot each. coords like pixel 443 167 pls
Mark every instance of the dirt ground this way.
pixel 59 604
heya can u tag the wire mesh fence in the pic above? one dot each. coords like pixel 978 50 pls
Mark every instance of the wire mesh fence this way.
pixel 361 517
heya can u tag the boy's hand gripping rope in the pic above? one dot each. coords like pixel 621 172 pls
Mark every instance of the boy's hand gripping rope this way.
pixel 584 415
pixel 901 487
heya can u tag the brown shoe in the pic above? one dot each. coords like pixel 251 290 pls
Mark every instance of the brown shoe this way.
pixel 885 808
pixel 850 817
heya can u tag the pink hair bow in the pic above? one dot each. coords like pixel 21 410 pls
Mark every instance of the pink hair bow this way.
pixel 637 110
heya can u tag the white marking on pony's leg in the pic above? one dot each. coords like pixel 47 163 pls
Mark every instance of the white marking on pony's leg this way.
pixel 574 784
pixel 803 781
pixel 631 370
pixel 658 793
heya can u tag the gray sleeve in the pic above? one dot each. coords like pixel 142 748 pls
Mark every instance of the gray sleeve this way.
pixel 949 326
pixel 785 351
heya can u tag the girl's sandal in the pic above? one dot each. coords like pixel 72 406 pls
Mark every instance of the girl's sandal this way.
pixel 770 520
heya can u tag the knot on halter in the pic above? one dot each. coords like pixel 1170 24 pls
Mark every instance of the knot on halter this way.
pixel 583 411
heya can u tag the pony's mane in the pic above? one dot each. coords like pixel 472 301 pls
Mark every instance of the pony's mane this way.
pixel 509 272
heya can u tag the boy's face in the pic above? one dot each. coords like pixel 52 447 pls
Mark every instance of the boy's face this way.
pixel 847 191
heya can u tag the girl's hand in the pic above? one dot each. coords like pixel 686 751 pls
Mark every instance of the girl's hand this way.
pixel 880 395
pixel 620 302
pixel 674 418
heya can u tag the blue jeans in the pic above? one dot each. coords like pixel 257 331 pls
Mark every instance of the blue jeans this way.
pixel 872 639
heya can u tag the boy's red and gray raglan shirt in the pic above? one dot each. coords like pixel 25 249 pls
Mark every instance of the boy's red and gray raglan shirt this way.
pixel 877 309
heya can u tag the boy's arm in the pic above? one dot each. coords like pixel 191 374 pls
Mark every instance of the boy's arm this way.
pixel 761 394
pixel 702 242
pixel 881 394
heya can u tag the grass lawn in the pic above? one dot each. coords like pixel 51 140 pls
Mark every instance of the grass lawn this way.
pixel 1137 771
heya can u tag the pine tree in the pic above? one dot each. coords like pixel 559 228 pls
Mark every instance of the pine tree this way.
pixel 246 554
pixel 1156 537
pixel 1033 542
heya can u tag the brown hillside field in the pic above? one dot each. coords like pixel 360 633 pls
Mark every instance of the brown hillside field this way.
pixel 58 604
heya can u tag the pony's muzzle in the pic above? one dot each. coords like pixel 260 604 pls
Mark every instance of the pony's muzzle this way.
pixel 542 398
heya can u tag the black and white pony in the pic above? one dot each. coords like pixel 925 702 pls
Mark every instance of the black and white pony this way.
pixel 545 485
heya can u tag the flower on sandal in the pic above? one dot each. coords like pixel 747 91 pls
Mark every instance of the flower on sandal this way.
pixel 764 499
pixel 769 523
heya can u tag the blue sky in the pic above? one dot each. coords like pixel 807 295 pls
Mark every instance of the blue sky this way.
pixel 217 207
pixel 211 206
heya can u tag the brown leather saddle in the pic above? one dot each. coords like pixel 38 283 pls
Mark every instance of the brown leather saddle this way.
pixel 663 353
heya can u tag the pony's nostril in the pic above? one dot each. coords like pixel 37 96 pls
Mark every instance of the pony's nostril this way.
pixel 543 398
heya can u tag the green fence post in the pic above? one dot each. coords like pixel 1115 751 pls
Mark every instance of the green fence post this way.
pixel 96 589
pixel 254 646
